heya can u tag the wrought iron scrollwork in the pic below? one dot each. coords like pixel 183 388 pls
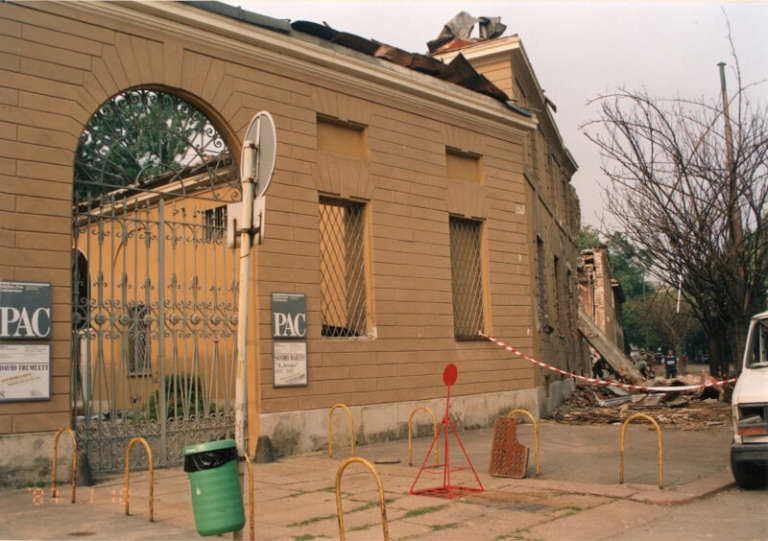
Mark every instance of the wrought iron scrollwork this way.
pixel 146 139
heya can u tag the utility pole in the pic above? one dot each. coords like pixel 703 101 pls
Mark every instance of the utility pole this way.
pixel 257 162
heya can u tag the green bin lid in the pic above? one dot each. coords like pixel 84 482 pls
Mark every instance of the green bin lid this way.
pixel 208 446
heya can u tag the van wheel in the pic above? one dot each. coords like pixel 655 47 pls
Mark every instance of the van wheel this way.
pixel 748 475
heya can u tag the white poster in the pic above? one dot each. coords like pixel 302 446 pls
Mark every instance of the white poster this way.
pixel 289 363
pixel 25 372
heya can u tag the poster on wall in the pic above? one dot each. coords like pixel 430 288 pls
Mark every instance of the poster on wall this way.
pixel 25 372
pixel 25 310
pixel 289 315
pixel 289 363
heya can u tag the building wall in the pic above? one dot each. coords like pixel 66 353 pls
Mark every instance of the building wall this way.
pixel 60 61
pixel 597 296
pixel 555 218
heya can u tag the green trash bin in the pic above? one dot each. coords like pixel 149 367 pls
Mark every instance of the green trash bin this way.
pixel 216 499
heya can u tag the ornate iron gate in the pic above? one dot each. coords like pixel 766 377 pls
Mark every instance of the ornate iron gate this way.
pixel 156 334
pixel 154 284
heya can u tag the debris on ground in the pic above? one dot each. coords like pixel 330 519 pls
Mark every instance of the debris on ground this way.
pixel 697 409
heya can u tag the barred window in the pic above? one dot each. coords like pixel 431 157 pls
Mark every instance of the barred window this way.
pixel 571 302
pixel 466 278
pixel 543 316
pixel 214 223
pixel 557 311
pixel 342 263
pixel 138 340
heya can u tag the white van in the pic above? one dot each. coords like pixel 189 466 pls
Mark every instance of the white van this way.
pixel 749 410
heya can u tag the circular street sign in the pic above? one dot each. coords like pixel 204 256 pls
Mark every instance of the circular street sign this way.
pixel 260 132
pixel 450 374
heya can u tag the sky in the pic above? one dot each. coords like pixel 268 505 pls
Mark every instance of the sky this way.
pixel 578 50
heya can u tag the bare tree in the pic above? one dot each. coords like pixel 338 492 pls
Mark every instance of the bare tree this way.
pixel 661 314
pixel 691 196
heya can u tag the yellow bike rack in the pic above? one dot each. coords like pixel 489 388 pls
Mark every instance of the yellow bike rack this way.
pixel 658 431
pixel 128 477
pixel 54 490
pixel 410 433
pixel 382 503
pixel 351 430
pixel 535 434
pixel 250 497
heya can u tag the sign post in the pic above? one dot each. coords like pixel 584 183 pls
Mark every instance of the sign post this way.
pixel 257 162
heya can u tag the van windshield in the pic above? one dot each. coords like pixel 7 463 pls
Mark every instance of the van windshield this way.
pixel 758 348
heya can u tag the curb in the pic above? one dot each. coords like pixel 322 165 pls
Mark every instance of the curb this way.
pixel 680 494
pixel 687 492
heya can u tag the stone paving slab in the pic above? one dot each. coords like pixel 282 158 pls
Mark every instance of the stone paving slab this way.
pixel 584 526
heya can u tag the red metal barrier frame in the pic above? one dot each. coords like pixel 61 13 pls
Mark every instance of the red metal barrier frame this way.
pixel 447 490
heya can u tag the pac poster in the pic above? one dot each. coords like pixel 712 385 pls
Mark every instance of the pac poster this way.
pixel 25 310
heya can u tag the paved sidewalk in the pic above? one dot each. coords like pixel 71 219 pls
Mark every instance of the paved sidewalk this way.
pixel 295 497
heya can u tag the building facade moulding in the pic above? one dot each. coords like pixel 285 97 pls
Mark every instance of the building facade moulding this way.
pixel 317 59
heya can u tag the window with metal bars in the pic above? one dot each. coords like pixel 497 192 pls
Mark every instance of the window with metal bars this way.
pixel 467 278
pixel 138 340
pixel 343 268
pixel 571 301
pixel 543 316
pixel 557 285
pixel 214 223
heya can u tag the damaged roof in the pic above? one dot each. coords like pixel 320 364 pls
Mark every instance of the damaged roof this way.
pixel 459 71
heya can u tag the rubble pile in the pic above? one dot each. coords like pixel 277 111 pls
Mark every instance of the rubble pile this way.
pixel 698 409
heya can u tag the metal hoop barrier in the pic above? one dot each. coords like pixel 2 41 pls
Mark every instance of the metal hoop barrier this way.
pixel 128 477
pixel 658 431
pixel 54 490
pixel 351 430
pixel 410 434
pixel 250 497
pixel 535 434
pixel 382 503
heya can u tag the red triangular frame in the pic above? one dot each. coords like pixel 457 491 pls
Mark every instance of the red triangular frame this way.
pixel 447 490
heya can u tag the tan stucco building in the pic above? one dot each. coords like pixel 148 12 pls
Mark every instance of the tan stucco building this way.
pixel 453 206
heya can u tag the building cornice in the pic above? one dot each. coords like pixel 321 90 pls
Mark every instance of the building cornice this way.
pixel 311 57
pixel 506 48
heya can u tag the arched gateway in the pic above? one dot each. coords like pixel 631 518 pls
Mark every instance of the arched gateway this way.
pixel 154 285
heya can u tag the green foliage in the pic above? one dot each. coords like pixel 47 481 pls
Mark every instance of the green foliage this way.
pixel 589 237
pixel 626 267
pixel 137 135
pixel 438 527
pixel 424 510
pixel 180 389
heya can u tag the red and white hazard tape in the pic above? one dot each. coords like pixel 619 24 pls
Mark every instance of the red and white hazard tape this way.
pixel 595 381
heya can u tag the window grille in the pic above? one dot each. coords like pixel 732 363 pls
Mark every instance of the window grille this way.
pixel 138 340
pixel 214 223
pixel 543 317
pixel 571 302
pixel 557 285
pixel 466 278
pixel 342 263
